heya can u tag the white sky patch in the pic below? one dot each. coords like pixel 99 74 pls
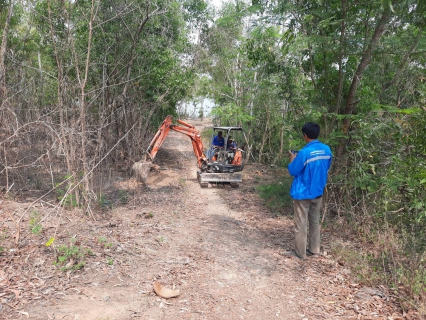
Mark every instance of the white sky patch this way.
pixel 216 3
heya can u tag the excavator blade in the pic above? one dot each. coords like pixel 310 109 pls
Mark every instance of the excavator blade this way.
pixel 233 178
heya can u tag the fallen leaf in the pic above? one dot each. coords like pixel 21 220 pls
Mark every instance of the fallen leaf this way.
pixel 16 292
pixel 24 313
pixel 49 243
pixel 164 292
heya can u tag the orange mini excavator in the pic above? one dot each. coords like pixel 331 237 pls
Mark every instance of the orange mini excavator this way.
pixel 219 165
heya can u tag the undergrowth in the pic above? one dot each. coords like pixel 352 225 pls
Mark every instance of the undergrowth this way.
pixel 35 226
pixel 383 256
pixel 379 188
pixel 277 194
pixel 72 256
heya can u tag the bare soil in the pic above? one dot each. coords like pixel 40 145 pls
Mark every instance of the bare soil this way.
pixel 220 246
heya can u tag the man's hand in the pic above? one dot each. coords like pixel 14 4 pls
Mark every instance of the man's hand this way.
pixel 292 156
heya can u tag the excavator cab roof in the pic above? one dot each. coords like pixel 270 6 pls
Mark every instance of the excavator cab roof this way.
pixel 227 128
pixel 236 132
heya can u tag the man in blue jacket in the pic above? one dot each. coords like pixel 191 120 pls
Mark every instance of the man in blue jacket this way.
pixel 218 141
pixel 309 167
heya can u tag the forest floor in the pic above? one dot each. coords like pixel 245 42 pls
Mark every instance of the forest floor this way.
pixel 222 247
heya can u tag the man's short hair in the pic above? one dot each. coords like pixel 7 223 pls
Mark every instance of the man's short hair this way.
pixel 219 133
pixel 311 129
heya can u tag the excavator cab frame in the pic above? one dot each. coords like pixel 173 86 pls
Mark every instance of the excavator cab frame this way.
pixel 223 159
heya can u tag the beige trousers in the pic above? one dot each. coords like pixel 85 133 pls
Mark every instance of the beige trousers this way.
pixel 307 211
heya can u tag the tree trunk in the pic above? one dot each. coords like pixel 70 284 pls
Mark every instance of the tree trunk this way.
pixel 264 136
pixel 365 61
pixel 3 89
pixel 341 53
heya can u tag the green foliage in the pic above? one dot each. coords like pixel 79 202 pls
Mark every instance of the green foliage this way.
pixel 277 195
pixel 261 47
pixel 230 114
pixel 135 74
pixel 63 195
pixel 4 233
pixel 102 200
pixel 386 191
pixel 182 182
pixel 123 196
pixel 109 201
pixel 206 135
pixel 106 202
pixel 197 13
pixel 72 257
pixel 389 165
pixel 419 281
pixel 367 268
pixel 104 242
pixel 35 225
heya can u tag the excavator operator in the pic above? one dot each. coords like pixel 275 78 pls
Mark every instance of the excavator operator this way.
pixel 231 146
pixel 218 141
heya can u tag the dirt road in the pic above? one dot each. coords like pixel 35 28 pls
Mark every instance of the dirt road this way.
pixel 220 246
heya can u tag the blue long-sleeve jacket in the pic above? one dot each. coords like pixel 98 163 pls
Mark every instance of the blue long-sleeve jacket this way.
pixel 218 142
pixel 310 169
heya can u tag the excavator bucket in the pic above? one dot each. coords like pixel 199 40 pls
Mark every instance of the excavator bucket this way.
pixel 141 169
pixel 205 178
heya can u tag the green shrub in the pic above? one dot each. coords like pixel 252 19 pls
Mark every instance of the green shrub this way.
pixel 124 196
pixel 277 194
pixel 35 225
pixel 72 257
pixel 382 188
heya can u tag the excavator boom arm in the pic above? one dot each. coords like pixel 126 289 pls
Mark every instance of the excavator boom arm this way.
pixel 185 129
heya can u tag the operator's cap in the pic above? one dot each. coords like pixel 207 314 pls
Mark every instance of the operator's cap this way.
pixel 230 138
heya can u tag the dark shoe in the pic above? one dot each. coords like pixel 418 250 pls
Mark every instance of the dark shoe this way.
pixel 291 253
pixel 311 254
